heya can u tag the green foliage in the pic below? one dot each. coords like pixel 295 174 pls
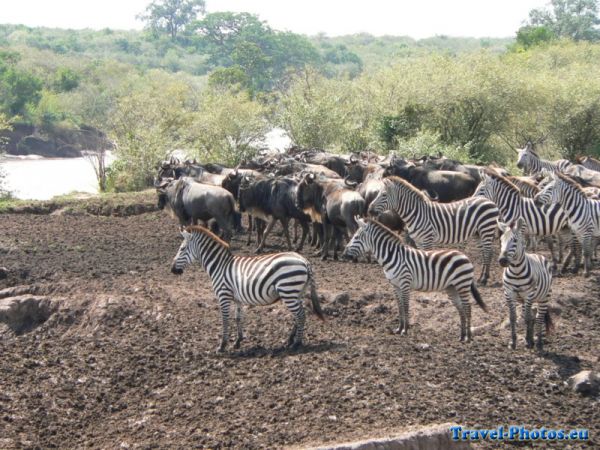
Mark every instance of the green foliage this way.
pixel 529 36
pixel 4 126
pixel 18 88
pixel 401 126
pixel 172 16
pixel 573 19
pixel 66 79
pixel 428 143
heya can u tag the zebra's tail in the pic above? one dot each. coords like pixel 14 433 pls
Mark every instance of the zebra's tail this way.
pixel 314 298
pixel 549 323
pixel 477 297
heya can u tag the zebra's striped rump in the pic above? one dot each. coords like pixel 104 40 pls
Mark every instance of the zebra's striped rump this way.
pixel 526 276
pixel 249 280
pixel 407 269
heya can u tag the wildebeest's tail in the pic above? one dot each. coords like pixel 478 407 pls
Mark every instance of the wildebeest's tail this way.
pixel 477 297
pixel 314 298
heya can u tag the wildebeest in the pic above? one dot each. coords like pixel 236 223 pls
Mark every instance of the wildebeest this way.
pixel 272 200
pixel 358 171
pixel 190 202
pixel 331 203
pixel 445 186
pixel 329 160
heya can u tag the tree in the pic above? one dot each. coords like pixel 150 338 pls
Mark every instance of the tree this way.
pixel 574 19
pixel 172 16
pixel 4 126
pixel 18 88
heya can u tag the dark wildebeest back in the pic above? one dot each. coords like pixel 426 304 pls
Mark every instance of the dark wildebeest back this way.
pixel 191 201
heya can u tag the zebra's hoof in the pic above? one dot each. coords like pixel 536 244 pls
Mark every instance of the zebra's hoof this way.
pixel 512 345
pixel 237 344
pixel 220 350
pixel 295 346
pixel 400 331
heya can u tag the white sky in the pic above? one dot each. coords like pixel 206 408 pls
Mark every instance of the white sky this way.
pixel 415 18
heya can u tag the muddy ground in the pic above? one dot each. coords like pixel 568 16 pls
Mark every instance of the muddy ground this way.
pixel 128 360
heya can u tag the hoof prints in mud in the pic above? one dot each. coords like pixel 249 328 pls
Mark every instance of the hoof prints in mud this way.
pixel 127 357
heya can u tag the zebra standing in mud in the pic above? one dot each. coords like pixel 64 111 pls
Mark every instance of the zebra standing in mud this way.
pixel 527 276
pixel 546 221
pixel 429 223
pixel 530 162
pixel 583 213
pixel 249 280
pixel 407 268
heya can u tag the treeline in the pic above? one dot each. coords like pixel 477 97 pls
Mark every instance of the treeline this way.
pixel 214 87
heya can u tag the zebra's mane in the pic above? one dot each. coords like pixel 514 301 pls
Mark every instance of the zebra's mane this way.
pixel 502 180
pixel 410 187
pixel 207 232
pixel 385 229
pixel 571 182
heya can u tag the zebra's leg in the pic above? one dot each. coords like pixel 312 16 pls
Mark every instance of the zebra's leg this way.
pixel 402 296
pixel 511 301
pixel 295 305
pixel 487 254
pixel 224 305
pixel 540 321
pixel 238 322
pixel 586 245
pixel 265 234
pixel 461 300
pixel 528 319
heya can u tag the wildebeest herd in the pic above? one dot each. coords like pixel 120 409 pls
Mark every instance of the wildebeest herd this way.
pixel 366 201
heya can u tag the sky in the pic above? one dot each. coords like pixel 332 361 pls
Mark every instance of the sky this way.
pixel 415 18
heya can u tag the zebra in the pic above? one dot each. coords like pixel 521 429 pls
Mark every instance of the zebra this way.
pixel 430 223
pixel 249 280
pixel 408 268
pixel 546 221
pixel 528 276
pixel 583 213
pixel 589 163
pixel 530 162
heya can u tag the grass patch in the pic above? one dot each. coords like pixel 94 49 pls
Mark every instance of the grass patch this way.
pixel 121 204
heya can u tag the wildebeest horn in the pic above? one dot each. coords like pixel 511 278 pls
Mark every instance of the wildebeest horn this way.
pixel 350 183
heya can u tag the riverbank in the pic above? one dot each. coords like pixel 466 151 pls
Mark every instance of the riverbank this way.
pixel 120 205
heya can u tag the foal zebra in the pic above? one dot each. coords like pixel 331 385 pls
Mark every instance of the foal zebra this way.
pixel 249 280
pixel 429 223
pixel 544 221
pixel 583 213
pixel 407 268
pixel 528 276
pixel 531 163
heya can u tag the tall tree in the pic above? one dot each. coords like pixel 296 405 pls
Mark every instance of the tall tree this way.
pixel 575 19
pixel 172 16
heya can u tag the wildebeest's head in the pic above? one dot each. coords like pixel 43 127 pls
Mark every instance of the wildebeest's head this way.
pixel 308 192
pixel 512 242
pixel 161 190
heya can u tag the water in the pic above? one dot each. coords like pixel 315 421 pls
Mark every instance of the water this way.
pixel 43 178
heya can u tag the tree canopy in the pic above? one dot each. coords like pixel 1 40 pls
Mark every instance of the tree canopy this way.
pixel 171 16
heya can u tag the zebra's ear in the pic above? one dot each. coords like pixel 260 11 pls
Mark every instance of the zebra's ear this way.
pixel 503 227
pixel 184 234
pixel 520 225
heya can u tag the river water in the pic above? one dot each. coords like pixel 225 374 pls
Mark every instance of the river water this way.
pixel 43 178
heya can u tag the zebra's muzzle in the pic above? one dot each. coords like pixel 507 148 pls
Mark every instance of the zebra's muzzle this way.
pixel 503 261
pixel 176 270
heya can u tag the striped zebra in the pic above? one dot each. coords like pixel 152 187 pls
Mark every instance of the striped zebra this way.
pixel 526 185
pixel 526 276
pixel 546 221
pixel 530 162
pixel 589 163
pixel 249 280
pixel 583 213
pixel 429 223
pixel 407 269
